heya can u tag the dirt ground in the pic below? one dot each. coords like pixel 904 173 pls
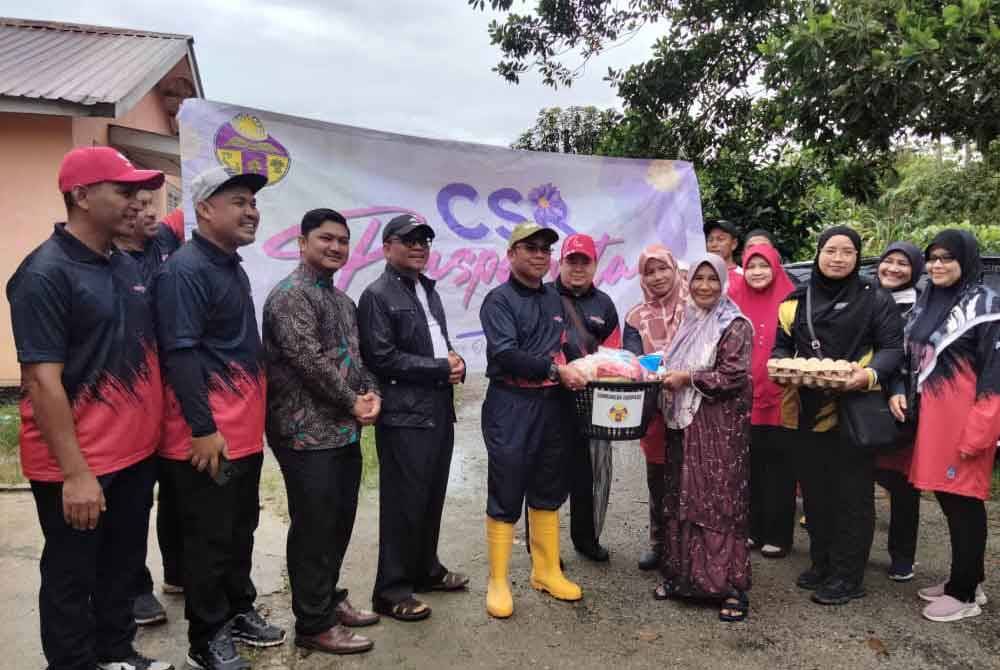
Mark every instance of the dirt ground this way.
pixel 617 624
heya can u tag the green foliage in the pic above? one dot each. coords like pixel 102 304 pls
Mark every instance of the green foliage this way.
pixel 10 462
pixel 574 130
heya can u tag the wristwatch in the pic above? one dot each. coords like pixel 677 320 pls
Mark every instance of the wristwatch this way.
pixel 553 373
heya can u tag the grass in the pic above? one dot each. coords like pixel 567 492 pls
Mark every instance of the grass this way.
pixel 10 460
pixel 369 459
pixel 995 488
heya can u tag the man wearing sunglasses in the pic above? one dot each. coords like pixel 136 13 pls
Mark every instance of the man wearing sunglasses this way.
pixel 522 418
pixel 404 342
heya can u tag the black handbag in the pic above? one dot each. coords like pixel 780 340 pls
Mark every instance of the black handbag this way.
pixel 864 417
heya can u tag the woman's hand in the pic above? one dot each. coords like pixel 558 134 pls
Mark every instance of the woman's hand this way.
pixel 897 405
pixel 676 379
pixel 858 380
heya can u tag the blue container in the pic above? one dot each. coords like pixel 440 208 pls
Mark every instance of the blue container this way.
pixel 651 362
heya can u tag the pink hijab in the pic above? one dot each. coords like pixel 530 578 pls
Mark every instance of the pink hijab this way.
pixel 657 319
pixel 761 307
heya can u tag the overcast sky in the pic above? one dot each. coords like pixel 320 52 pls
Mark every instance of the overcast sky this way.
pixel 421 67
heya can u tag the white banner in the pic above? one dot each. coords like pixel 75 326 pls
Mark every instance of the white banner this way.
pixel 470 194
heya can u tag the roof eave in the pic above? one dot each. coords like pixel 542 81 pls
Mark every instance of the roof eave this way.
pixel 20 105
pixel 146 84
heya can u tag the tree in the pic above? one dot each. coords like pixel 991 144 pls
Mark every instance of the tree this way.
pixel 574 130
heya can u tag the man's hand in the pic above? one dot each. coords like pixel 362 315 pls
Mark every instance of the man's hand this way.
pixel 83 500
pixel 897 405
pixel 572 378
pixel 205 452
pixel 370 405
pixel 675 379
pixel 457 366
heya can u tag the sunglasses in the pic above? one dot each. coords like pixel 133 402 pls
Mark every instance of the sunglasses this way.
pixel 414 242
pixel 943 259
pixel 536 249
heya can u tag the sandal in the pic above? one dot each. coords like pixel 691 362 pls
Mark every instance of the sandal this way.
pixel 735 607
pixel 664 591
pixel 452 581
pixel 409 609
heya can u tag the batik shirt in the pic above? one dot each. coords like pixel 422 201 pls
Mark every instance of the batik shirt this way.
pixel 314 366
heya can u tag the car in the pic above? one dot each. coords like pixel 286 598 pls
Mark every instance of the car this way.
pixel 799 272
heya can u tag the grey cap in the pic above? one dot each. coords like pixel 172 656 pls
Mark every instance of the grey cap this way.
pixel 213 180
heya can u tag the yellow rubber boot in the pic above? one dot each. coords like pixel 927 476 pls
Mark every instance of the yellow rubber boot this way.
pixel 545 572
pixel 499 538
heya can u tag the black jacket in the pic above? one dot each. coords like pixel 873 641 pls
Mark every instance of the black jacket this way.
pixel 396 347
pixel 596 311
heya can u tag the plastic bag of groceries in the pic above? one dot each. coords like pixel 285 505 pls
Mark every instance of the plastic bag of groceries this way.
pixel 610 365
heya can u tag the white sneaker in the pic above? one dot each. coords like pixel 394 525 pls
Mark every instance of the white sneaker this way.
pixel 946 608
pixel 932 593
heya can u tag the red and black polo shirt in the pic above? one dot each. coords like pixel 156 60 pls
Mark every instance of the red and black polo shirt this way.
pixel 91 313
pixel 211 350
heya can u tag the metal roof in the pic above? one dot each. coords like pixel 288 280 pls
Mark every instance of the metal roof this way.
pixel 84 70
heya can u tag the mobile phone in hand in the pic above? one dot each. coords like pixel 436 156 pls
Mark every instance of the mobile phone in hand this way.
pixel 225 471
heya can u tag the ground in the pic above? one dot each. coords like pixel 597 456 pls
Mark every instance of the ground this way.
pixel 617 624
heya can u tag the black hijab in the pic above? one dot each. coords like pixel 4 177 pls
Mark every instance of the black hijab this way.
pixel 840 307
pixel 914 255
pixel 937 301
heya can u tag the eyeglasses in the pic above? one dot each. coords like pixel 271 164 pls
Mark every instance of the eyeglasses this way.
pixel 943 259
pixel 413 243
pixel 536 249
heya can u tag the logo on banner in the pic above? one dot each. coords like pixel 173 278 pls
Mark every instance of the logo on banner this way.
pixel 618 413
pixel 244 145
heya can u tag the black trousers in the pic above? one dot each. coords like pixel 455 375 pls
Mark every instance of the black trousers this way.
pixel 904 514
pixel 967 526
pixel 322 488
pixel 772 486
pixel 838 495
pixel 88 576
pixel 219 523
pixel 169 534
pixel 523 431
pixel 413 479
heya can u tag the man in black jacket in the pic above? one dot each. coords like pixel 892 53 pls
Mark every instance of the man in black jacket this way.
pixel 591 322
pixel 404 342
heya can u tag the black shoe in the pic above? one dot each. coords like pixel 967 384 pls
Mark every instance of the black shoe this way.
pixel 594 552
pixel 219 654
pixel 650 560
pixel 811 579
pixel 250 628
pixel 135 662
pixel 838 592
pixel 147 610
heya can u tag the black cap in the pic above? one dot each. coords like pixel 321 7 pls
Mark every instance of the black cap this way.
pixel 405 224
pixel 722 224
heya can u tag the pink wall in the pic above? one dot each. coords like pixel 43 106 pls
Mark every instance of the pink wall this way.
pixel 33 146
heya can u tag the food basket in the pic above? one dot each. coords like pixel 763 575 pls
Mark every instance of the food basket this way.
pixel 617 410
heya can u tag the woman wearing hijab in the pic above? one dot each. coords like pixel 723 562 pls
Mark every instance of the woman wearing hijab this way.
pixel 899 269
pixel 952 345
pixel 706 410
pixel 853 319
pixel 649 328
pixel 762 288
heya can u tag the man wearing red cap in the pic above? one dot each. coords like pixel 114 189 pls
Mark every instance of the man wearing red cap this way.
pixel 591 321
pixel 92 398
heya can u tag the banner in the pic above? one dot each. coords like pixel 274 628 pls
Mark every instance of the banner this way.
pixel 471 195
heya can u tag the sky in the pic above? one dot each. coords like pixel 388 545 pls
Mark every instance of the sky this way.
pixel 413 67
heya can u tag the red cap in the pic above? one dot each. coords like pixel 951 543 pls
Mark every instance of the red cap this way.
pixel 90 165
pixel 578 243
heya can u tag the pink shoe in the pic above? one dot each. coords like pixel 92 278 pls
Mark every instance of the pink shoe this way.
pixel 946 609
pixel 932 593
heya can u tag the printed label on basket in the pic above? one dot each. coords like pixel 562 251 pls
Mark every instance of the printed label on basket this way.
pixel 617 409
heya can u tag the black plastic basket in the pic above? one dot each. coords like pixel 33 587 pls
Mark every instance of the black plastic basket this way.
pixel 584 406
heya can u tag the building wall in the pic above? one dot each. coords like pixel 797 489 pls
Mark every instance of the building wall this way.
pixel 33 145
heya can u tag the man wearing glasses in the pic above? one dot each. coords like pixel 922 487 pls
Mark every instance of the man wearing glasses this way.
pixel 522 419
pixel 404 342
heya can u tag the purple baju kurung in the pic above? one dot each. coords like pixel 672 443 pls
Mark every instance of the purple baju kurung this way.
pixel 707 500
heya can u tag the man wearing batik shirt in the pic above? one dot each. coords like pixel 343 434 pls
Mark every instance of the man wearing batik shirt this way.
pixel 214 421
pixel 150 243
pixel 318 395
pixel 89 414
